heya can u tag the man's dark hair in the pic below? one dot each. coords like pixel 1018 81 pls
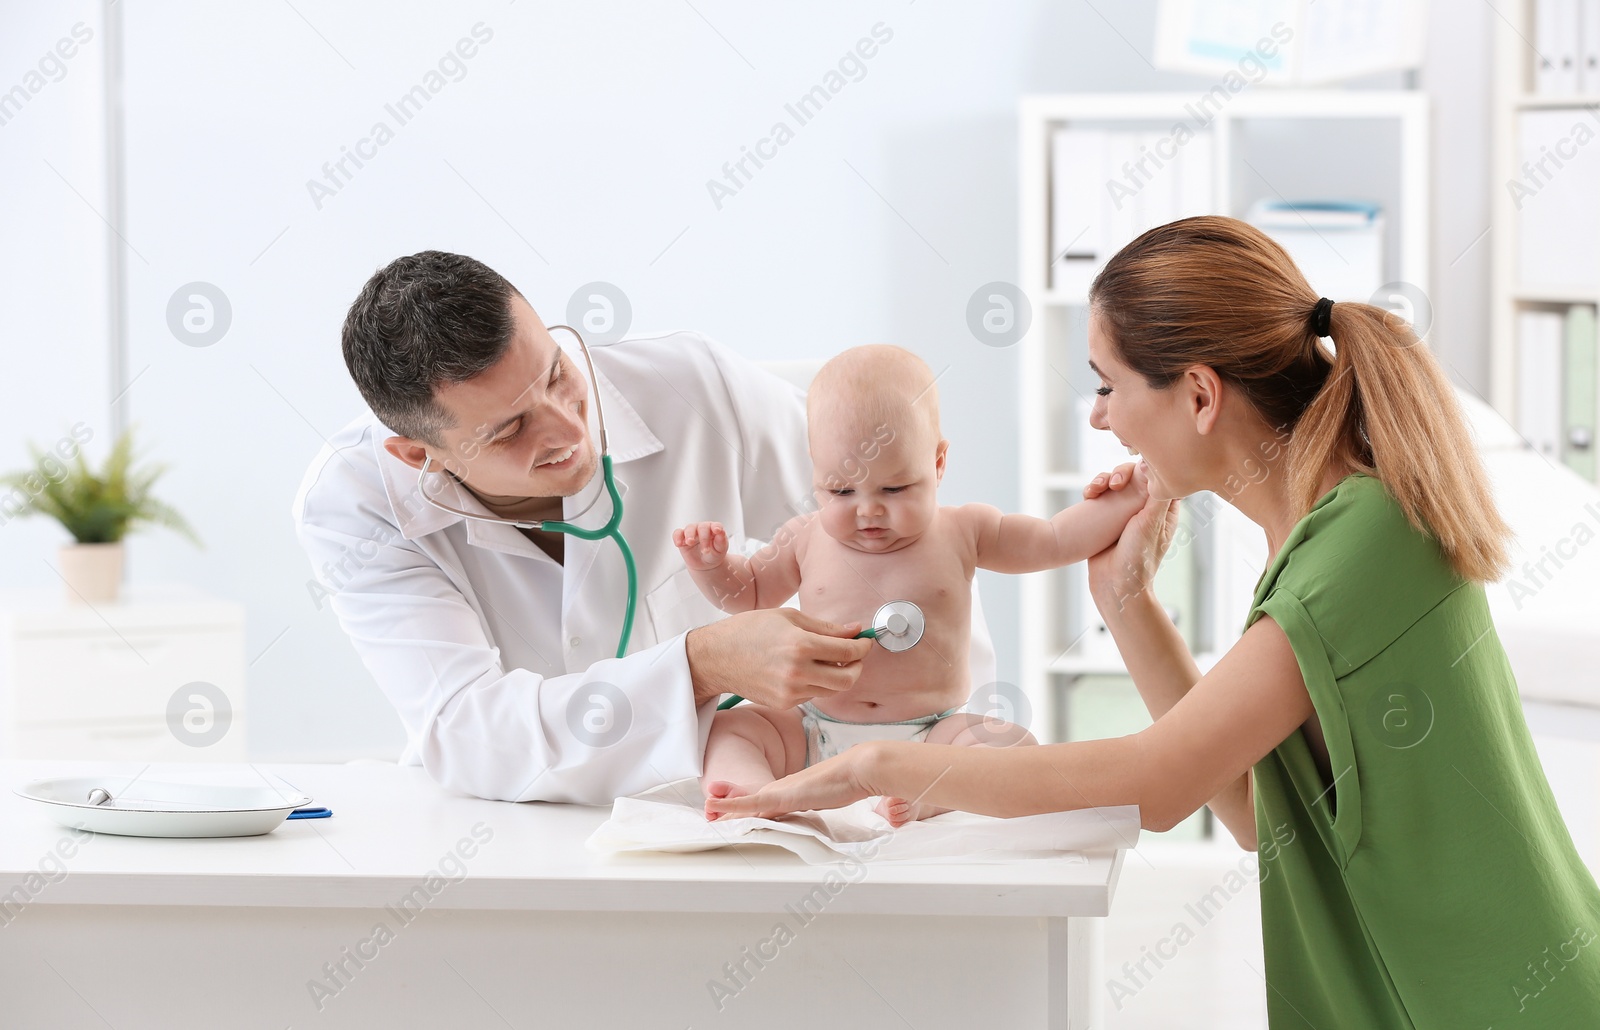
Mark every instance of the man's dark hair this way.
pixel 420 321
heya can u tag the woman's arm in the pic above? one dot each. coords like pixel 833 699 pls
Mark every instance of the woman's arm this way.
pixel 1237 713
pixel 1164 673
pixel 1152 649
pixel 1196 750
pixel 1167 679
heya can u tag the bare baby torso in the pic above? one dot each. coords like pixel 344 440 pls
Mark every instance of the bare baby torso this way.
pixel 842 584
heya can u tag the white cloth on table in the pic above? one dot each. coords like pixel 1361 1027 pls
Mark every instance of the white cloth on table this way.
pixel 672 818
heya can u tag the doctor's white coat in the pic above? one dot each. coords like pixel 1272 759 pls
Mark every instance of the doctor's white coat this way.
pixel 500 661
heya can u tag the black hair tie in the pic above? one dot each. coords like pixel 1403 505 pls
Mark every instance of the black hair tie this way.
pixel 1320 316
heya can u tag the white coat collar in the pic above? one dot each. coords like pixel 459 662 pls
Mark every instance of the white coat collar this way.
pixel 627 436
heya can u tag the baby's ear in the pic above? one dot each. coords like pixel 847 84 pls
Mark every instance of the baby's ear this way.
pixel 939 459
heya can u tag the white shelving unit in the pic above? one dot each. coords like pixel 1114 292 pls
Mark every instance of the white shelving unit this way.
pixel 1061 644
pixel 1514 69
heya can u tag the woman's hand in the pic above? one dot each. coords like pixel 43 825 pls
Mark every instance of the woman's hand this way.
pixel 839 781
pixel 1127 568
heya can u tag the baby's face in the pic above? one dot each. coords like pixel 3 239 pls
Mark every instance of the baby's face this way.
pixel 876 491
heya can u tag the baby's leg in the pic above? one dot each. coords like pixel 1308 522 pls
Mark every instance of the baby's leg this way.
pixel 749 747
pixel 964 729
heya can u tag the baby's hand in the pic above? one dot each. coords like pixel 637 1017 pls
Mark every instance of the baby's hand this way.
pixel 703 545
pixel 1132 474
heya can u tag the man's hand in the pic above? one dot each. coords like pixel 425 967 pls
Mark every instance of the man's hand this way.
pixel 703 545
pixel 778 657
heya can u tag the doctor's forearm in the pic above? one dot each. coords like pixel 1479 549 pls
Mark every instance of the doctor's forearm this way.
pixel 1163 671
pixel 699 654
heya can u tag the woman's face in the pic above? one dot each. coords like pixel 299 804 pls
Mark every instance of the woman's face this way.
pixel 1155 423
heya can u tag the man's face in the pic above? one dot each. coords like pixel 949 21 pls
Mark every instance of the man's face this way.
pixel 521 426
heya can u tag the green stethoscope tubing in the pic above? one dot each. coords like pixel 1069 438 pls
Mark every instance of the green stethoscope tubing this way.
pixel 612 529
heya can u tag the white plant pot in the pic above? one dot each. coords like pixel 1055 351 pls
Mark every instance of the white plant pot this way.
pixel 93 572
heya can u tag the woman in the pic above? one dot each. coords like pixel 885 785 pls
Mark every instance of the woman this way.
pixel 1365 732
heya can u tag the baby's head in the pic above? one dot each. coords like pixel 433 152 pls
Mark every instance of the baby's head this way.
pixel 876 451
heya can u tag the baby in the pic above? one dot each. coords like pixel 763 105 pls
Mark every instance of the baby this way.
pixel 880 534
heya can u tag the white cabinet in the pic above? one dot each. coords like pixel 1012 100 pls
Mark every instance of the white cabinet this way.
pixel 157 676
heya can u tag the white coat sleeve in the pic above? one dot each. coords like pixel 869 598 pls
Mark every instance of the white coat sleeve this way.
pixel 775 473
pixel 620 726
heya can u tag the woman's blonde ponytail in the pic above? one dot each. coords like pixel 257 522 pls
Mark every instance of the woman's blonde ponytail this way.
pixel 1389 410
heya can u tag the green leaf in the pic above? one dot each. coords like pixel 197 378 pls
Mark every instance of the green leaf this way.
pixel 96 507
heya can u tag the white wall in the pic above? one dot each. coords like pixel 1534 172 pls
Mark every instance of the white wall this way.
pixel 54 306
pixel 576 148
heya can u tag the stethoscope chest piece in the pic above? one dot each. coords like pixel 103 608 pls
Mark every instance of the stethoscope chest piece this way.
pixel 897 626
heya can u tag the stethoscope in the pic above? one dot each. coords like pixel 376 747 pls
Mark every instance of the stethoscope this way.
pixel 896 626
pixel 613 526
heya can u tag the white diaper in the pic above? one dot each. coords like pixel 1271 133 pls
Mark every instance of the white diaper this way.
pixel 827 736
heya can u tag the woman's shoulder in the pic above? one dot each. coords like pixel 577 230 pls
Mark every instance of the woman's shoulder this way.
pixel 1355 528
pixel 1357 568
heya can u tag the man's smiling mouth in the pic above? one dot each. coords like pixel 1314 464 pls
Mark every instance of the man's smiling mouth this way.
pixel 559 458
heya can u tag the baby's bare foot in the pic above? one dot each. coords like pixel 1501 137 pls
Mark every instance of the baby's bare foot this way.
pixel 899 811
pixel 721 789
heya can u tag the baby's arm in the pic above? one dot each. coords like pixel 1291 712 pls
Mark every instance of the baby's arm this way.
pixel 1023 543
pixel 733 582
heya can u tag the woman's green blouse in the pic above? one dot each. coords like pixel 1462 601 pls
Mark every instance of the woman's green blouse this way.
pixel 1432 882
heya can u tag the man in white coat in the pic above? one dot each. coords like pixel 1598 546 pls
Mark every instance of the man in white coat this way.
pixel 497 645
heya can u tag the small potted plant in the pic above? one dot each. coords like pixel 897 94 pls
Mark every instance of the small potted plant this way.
pixel 97 508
